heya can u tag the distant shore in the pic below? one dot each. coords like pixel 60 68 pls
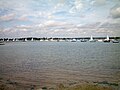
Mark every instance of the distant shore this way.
pixel 53 38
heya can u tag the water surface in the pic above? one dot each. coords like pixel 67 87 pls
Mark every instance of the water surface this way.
pixel 60 62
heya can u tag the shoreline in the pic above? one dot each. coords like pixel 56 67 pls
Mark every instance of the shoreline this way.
pixel 8 84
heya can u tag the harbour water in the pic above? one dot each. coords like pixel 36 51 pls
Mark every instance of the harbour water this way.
pixel 50 63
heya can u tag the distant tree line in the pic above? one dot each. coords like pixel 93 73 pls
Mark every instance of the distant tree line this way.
pixel 45 38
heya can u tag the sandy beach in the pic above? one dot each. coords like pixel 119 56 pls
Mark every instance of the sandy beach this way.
pixel 6 84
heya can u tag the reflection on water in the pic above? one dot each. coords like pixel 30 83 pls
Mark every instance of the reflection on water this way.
pixel 54 62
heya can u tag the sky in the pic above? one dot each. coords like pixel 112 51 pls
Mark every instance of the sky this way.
pixel 59 18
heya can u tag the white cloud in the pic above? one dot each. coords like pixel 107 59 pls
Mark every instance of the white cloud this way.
pixel 77 6
pixel 52 23
pixel 98 2
pixel 115 12
pixel 104 30
pixel 23 18
pixel 15 5
pixel 59 5
pixel 59 17
pixel 24 27
pixel 7 17
pixel 6 30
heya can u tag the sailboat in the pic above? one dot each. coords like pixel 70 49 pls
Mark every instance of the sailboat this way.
pixel 91 39
pixel 107 39
pixel 25 39
pixel 83 40
pixel 32 39
pixel 73 40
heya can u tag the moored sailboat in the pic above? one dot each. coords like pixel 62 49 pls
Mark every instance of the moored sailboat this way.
pixel 107 39
pixel 91 39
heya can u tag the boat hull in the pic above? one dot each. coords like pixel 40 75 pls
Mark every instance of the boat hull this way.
pixel 106 41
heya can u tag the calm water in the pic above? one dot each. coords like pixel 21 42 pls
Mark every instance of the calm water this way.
pixel 55 62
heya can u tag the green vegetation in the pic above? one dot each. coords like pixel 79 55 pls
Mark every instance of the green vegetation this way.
pixel 84 87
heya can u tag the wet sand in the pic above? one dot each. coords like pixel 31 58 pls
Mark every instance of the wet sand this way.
pixel 35 80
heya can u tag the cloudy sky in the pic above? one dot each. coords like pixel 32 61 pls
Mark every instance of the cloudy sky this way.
pixel 59 18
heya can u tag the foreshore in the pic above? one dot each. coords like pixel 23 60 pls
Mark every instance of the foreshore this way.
pixel 8 84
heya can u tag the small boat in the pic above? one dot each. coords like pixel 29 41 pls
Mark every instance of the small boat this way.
pixel 107 39
pixel 100 40
pixel 73 40
pixel 25 39
pixel 32 39
pixel 115 41
pixel 83 40
pixel 91 39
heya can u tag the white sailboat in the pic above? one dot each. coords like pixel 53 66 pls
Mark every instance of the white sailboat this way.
pixel 16 40
pixel 107 39
pixel 73 40
pixel 32 39
pixel 25 39
pixel 7 40
pixel 91 39
pixel 13 40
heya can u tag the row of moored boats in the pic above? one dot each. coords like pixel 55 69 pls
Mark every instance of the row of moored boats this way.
pixel 72 40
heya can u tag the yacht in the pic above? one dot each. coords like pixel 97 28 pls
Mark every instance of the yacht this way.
pixel 115 41
pixel 91 39
pixel 100 40
pixel 32 39
pixel 83 40
pixel 73 40
pixel 107 39
pixel 25 39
